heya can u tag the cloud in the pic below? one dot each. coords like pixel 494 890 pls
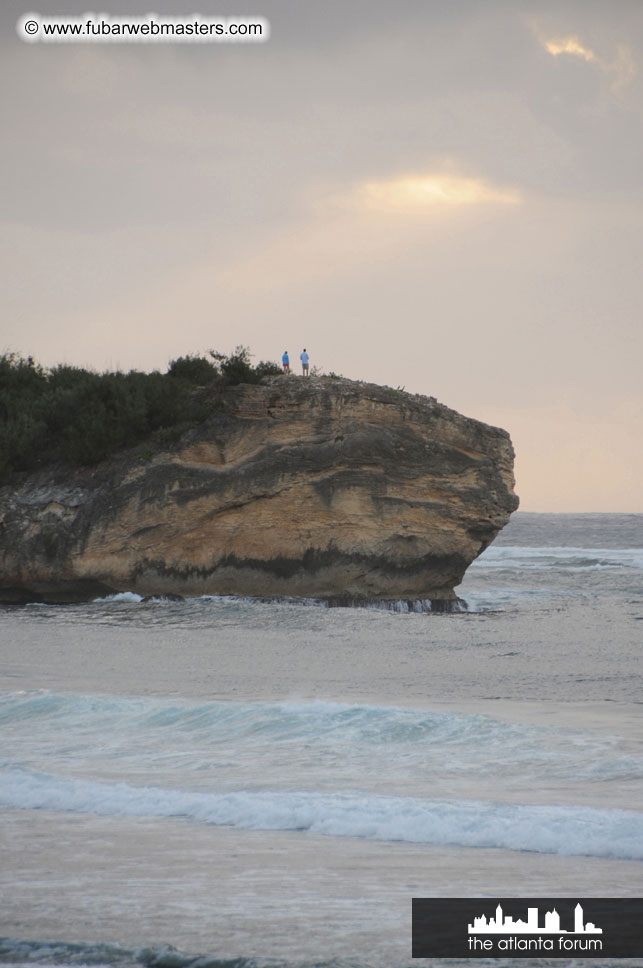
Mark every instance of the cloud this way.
pixel 570 45
pixel 621 69
pixel 428 193
pixel 417 193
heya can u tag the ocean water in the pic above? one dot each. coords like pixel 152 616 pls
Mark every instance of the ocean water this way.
pixel 228 781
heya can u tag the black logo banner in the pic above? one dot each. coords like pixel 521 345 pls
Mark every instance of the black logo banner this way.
pixel 527 927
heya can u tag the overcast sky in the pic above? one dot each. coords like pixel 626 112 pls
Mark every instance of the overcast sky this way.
pixel 444 195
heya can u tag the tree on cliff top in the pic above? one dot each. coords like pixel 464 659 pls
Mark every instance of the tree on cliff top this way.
pixel 221 369
pixel 84 417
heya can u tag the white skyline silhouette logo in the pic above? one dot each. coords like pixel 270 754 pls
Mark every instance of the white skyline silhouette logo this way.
pixel 507 925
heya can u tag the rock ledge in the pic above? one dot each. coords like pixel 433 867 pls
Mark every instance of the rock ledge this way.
pixel 308 488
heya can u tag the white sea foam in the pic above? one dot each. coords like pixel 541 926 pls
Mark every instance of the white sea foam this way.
pixel 554 829
pixel 402 605
pixel 126 597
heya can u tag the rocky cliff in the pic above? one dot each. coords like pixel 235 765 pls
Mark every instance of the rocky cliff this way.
pixel 317 488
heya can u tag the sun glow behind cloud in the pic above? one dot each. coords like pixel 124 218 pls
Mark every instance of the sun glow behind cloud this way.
pixel 423 193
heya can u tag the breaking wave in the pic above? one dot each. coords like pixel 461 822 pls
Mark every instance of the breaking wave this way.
pixel 548 829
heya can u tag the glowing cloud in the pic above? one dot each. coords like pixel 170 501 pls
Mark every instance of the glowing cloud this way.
pixel 621 69
pixel 570 45
pixel 419 193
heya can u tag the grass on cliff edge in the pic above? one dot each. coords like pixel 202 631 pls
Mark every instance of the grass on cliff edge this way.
pixel 84 417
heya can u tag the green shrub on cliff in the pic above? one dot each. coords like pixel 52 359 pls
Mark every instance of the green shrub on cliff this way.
pixel 84 417
pixel 221 370
pixel 23 428
pixel 192 369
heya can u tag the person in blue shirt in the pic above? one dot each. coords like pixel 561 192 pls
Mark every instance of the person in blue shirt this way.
pixel 285 362
pixel 304 362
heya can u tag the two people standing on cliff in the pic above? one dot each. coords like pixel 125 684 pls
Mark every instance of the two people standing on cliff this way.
pixel 285 362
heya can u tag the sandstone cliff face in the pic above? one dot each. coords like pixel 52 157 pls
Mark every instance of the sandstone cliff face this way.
pixel 310 488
